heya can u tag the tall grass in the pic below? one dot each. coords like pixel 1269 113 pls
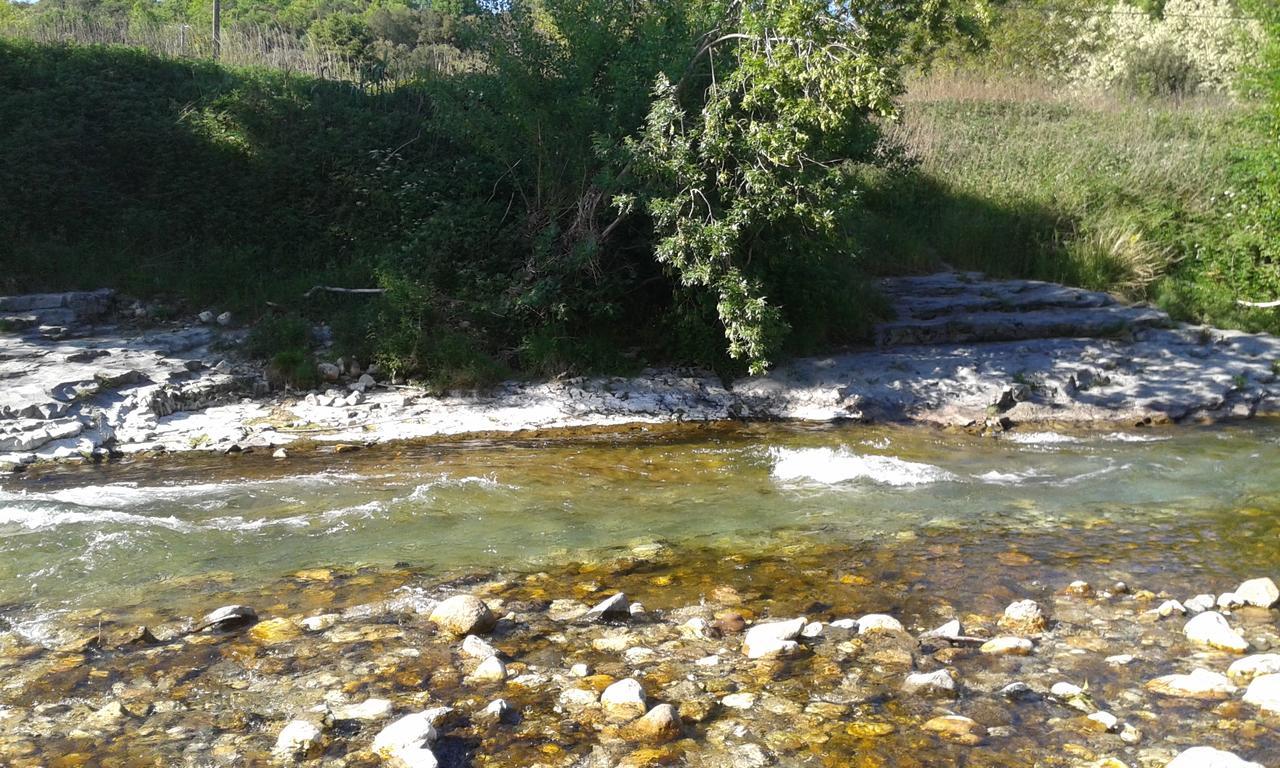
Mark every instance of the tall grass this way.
pixel 1020 177
pixel 241 45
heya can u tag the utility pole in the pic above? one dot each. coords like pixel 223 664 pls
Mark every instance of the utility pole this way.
pixel 217 29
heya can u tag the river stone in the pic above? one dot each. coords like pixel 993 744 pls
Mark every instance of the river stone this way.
pixel 463 615
pixel 1208 757
pixel 1260 592
pixel 578 698
pixel 1105 721
pixel 491 670
pixel 775 638
pixel 612 608
pixel 939 683
pixel 298 740
pixel 477 648
pixel 1024 617
pixel 878 622
pixel 660 724
pixel 624 700
pixel 227 618
pixel 1211 628
pixel 1007 646
pixel 409 739
pixel 275 631
pixel 957 729
pixel 1264 693
pixel 497 711
pixel 1229 600
pixel 320 623
pixel 1200 684
pixel 741 700
pixel 1200 603
pixel 1244 670
pixel 1169 608
pixel 366 711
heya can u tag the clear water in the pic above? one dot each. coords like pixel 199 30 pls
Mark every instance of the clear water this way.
pixel 123 535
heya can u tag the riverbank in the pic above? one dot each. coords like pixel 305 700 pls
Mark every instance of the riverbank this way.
pixel 962 352
pixel 796 653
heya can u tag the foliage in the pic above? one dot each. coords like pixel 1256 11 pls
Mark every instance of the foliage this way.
pixel 1189 46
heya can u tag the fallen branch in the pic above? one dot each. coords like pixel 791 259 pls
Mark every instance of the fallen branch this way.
pixel 1259 304
pixel 330 289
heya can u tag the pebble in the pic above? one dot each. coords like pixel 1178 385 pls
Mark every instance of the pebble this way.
pixel 1024 617
pixel 366 711
pixel 1261 592
pixel 491 670
pixel 660 724
pixel 477 648
pixel 1244 670
pixel 298 740
pixel 463 615
pixel 776 638
pixel 939 683
pixel 623 700
pixel 1211 628
pixel 1208 757
pixel 1264 693
pixel 1007 646
pixel 1169 608
pixel 1200 603
pixel 878 622
pixel 410 738
pixel 957 729
pixel 1107 721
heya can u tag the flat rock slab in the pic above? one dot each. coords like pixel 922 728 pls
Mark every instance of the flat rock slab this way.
pixel 961 351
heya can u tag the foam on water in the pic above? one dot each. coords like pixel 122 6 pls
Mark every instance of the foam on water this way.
pixel 126 495
pixel 831 466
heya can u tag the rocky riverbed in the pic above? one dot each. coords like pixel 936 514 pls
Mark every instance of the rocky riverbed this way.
pixel 86 377
pixel 924 650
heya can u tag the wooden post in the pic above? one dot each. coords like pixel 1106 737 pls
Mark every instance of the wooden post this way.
pixel 217 29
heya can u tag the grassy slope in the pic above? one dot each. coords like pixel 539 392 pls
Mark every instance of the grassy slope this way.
pixel 156 176
pixel 1133 196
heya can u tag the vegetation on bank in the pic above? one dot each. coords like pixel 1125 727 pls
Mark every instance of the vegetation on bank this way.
pixel 592 185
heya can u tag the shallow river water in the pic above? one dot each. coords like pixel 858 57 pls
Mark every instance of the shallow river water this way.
pixel 767 522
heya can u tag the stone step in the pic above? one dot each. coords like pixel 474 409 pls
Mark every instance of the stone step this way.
pixel 59 308
pixel 977 327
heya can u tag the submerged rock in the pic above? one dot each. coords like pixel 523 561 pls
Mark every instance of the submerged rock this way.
pixel 227 618
pixel 957 729
pixel 1007 646
pixel 366 711
pixel 660 724
pixel 1200 684
pixel 940 683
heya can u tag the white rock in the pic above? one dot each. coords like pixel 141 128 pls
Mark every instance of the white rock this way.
pixel 1024 617
pixel 638 655
pixel 477 648
pixel 298 740
pixel 463 615
pixel 775 638
pixel 1119 660
pixel 1007 646
pixel 579 670
pixel 491 670
pixel 614 607
pixel 1208 757
pixel 739 700
pixel 367 710
pixel 708 661
pixel 1264 693
pixel 1200 684
pixel 812 629
pixel 205 317
pixel 948 631
pixel 939 683
pixel 320 623
pixel 224 318
pixel 878 622
pixel 845 623
pixel 1200 603
pixel 1211 628
pixel 577 698
pixel 1246 669
pixel 497 710
pixel 624 700
pixel 409 739
pixel 1261 592
pixel 1065 690
pixel 1107 720
pixel 1169 608
pixel 1229 600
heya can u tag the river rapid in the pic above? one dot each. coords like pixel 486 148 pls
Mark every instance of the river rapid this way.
pixel 711 528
